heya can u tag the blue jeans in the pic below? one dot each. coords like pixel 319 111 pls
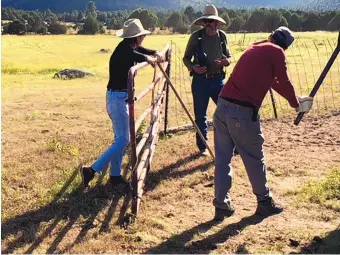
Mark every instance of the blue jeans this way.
pixel 202 90
pixel 118 111
pixel 234 128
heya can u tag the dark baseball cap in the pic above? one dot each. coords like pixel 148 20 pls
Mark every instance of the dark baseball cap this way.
pixel 283 36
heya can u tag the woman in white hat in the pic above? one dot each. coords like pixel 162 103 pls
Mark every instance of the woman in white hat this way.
pixel 128 52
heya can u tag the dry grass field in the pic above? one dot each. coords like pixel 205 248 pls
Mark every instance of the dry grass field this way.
pixel 50 127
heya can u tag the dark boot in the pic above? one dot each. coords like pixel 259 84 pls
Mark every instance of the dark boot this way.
pixel 118 182
pixel 220 214
pixel 87 174
pixel 268 207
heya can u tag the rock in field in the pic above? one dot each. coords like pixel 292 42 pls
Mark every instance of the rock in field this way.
pixel 71 74
pixel 105 50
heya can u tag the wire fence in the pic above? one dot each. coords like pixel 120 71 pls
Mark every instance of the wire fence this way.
pixel 305 61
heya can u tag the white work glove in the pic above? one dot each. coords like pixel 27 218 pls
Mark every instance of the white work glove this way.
pixel 305 103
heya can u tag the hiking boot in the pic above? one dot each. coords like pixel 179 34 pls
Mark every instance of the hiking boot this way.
pixel 268 208
pixel 87 174
pixel 118 182
pixel 220 214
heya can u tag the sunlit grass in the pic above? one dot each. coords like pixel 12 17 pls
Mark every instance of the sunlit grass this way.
pixel 50 127
pixel 325 192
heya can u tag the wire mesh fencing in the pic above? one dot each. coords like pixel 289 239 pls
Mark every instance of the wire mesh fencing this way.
pixel 306 59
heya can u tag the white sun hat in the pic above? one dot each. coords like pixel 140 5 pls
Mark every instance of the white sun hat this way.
pixel 210 12
pixel 132 28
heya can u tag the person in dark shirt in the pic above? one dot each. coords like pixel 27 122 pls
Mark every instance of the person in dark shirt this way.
pixel 236 120
pixel 206 55
pixel 128 52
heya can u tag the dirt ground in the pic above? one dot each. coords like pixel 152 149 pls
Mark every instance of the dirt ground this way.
pixel 176 211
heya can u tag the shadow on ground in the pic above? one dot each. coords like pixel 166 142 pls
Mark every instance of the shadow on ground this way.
pixel 64 207
pixel 330 244
pixel 183 243
pixel 69 208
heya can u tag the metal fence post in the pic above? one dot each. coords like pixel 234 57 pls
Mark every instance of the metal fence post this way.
pixel 273 102
pixel 168 72
pixel 131 101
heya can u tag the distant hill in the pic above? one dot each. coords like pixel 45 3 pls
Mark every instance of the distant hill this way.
pixel 109 5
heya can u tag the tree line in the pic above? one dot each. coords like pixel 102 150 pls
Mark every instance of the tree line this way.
pixel 109 5
pixel 92 21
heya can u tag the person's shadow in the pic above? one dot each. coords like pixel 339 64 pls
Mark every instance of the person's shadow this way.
pixel 173 171
pixel 179 243
pixel 68 207
pixel 330 244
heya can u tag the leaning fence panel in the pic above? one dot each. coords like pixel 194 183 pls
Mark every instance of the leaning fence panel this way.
pixel 143 149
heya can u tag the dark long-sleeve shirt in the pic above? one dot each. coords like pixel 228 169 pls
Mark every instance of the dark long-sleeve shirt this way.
pixel 262 66
pixel 211 46
pixel 122 59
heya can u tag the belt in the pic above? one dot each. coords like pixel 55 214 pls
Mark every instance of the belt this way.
pixel 209 75
pixel 117 90
pixel 244 104
pixel 239 102
pixel 212 75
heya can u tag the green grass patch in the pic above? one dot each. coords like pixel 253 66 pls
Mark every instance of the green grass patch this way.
pixel 324 192
pixel 58 146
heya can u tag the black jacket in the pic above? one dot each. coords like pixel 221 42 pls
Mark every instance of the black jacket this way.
pixel 122 59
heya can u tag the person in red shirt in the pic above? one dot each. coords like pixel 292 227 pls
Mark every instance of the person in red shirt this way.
pixel 236 120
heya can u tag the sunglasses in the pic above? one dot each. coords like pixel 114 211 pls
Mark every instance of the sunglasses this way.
pixel 208 21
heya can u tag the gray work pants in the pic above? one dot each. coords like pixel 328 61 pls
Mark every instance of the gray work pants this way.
pixel 234 128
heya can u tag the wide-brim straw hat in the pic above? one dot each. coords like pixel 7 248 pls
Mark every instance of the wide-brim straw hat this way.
pixel 132 28
pixel 210 12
